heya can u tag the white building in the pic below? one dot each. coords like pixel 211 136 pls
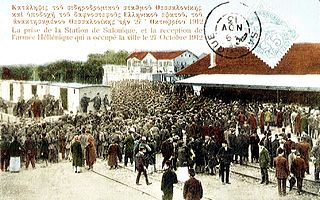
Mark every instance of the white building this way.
pixel 12 90
pixel 147 65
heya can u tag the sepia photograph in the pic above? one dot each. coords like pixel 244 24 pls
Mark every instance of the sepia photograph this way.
pixel 160 100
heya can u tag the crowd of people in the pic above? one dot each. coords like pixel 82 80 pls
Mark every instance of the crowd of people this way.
pixel 34 107
pixel 146 118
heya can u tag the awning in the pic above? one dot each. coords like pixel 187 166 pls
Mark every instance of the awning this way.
pixel 250 81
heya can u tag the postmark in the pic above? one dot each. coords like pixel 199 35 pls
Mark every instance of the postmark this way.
pixel 228 27
pixel 276 39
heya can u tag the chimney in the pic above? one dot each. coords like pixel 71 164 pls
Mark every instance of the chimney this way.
pixel 212 60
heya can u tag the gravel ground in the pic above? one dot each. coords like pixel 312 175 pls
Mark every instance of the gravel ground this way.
pixel 58 181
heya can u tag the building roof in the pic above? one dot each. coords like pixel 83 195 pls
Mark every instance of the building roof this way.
pixel 256 81
pixel 302 58
pixel 139 55
pixel 159 55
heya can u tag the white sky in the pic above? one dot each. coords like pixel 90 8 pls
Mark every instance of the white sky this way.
pixel 303 16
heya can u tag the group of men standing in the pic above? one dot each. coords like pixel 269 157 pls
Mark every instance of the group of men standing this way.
pixel 291 161
pixel 97 102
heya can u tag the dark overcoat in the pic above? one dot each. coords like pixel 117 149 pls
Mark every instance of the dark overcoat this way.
pixel 77 157
pixel 192 189
pixel 282 167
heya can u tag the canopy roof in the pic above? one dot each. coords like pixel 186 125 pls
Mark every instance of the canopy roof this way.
pixel 252 81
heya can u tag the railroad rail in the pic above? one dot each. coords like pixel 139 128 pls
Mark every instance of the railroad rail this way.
pixel 309 186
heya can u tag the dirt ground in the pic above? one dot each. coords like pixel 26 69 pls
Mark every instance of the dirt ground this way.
pixel 58 181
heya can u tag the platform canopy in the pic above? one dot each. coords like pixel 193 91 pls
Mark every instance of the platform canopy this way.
pixel 253 81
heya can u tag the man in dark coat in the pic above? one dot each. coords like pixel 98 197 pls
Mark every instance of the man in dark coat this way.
pixel 288 145
pixel 128 148
pixel 225 158
pixel 77 157
pixel 264 161
pixel 192 189
pixel 30 151
pixel 298 169
pixel 316 154
pixel 254 147
pixel 4 153
pixel 304 149
pixel 167 150
pixel 105 102
pixel 282 172
pixel 141 165
pixel 97 102
pixel 44 149
pixel 113 155
pixel 169 178
pixel 84 102
pixel 36 108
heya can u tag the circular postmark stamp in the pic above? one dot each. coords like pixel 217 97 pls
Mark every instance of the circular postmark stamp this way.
pixel 230 25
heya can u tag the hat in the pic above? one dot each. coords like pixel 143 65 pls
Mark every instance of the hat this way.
pixel 191 172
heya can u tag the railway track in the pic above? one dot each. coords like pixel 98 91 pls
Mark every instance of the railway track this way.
pixel 127 185
pixel 252 171
pixel 249 171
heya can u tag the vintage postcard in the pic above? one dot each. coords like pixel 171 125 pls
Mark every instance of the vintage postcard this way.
pixel 111 99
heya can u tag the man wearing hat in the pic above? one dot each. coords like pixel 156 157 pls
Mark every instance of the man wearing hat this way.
pixel 4 153
pixel 77 157
pixel 141 165
pixel 128 147
pixel 225 158
pixel 282 171
pixel 84 102
pixel 264 161
pixel 316 160
pixel 169 178
pixel 298 169
pixel 192 189
pixel 30 151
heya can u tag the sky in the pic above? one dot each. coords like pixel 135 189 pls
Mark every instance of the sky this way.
pixel 302 16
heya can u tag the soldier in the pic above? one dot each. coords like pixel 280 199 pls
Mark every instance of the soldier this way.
pixel 84 102
pixel 4 153
pixel 316 154
pixel 97 102
pixel 264 160
pixel 36 108
pixel 128 144
pixel 30 151
pixel 44 149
